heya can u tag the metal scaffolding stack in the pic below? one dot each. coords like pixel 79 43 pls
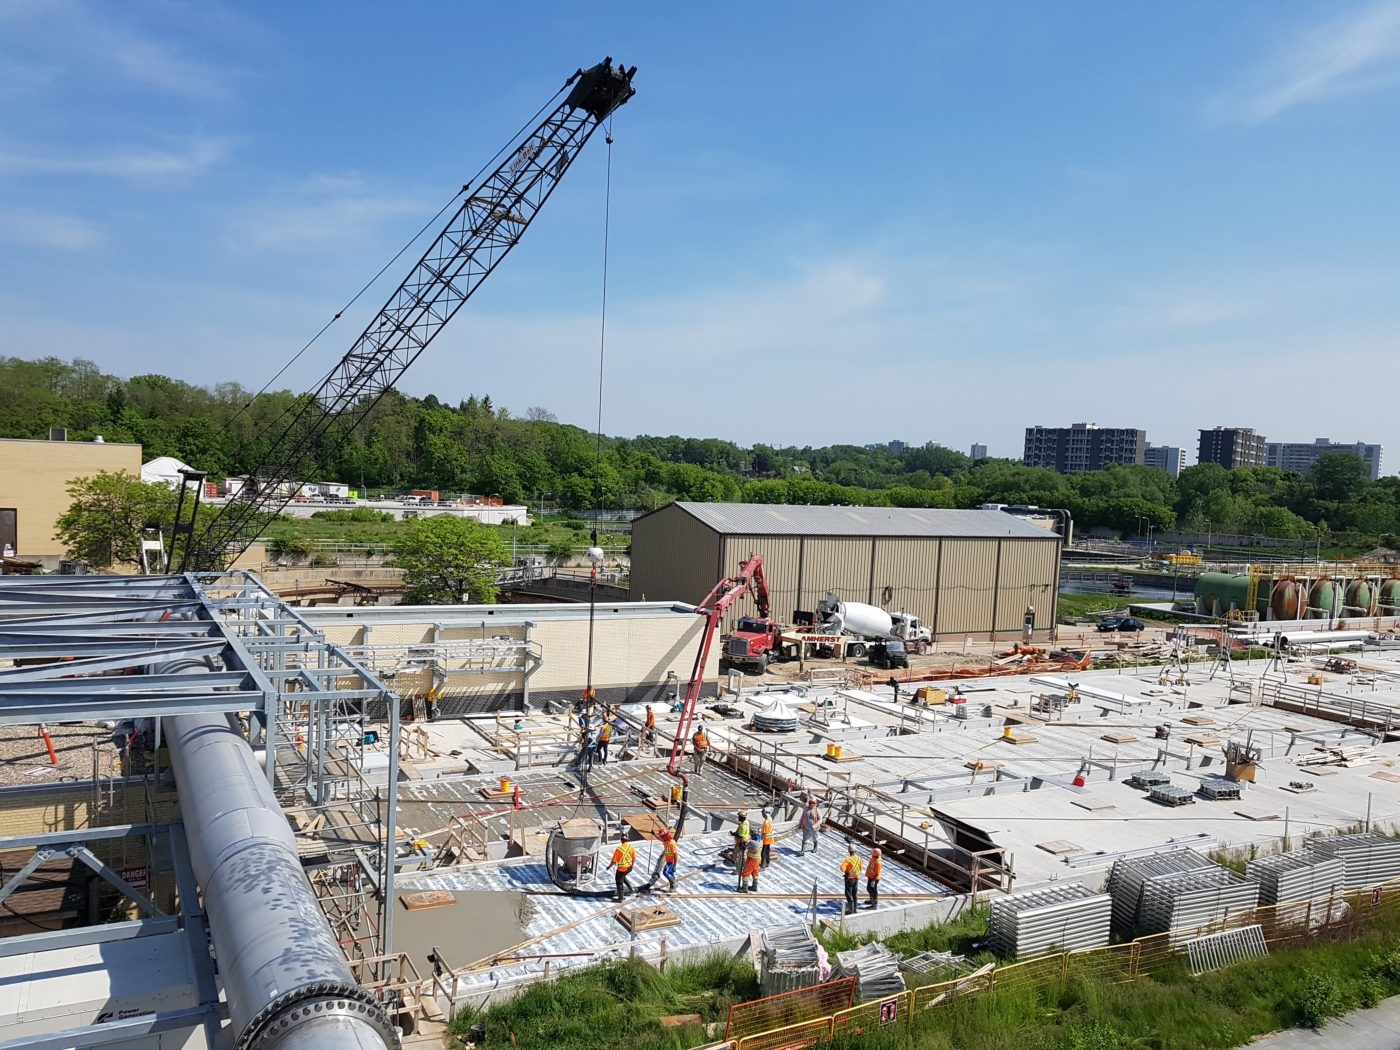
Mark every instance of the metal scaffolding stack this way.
pixel 875 968
pixel 1296 877
pixel 789 958
pixel 1068 917
pixel 1129 875
pixel 1369 859
pixel 1185 902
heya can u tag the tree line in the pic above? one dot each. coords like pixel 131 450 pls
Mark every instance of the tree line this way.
pixel 475 446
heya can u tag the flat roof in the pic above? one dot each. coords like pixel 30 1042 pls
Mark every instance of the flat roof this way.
pixel 776 519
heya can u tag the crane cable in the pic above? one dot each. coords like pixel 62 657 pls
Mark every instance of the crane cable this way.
pixel 589 693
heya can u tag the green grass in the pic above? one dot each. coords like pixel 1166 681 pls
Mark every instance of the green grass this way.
pixel 1169 1010
pixel 1172 1011
pixel 1078 605
pixel 618 1001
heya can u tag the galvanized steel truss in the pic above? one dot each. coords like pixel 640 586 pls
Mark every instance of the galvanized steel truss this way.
pixel 77 648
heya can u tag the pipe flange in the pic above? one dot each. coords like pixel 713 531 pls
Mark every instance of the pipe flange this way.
pixel 326 999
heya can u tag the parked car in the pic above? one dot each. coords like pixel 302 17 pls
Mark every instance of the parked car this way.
pixel 1121 623
pixel 889 653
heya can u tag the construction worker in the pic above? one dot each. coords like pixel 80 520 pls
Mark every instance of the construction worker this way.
pixel 766 836
pixel 622 859
pixel 649 732
pixel 701 740
pixel 742 835
pixel 811 824
pixel 850 871
pixel 670 857
pixel 748 874
pixel 872 878
pixel 604 739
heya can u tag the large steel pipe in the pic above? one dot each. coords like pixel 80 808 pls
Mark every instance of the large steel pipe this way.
pixel 288 985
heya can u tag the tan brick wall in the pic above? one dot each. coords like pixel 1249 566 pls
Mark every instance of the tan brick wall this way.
pixel 33 812
pixel 34 478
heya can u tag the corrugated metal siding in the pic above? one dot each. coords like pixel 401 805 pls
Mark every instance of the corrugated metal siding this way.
pixel 909 568
pixel 966 587
pixel 675 557
pixel 839 565
pixel 782 562
pixel 1027 578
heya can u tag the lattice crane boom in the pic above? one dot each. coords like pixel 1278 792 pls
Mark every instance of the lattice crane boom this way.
pixel 485 226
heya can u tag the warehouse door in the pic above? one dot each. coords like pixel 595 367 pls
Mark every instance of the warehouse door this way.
pixel 9 530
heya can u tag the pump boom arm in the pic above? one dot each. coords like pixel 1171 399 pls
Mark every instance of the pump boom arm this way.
pixel 715 604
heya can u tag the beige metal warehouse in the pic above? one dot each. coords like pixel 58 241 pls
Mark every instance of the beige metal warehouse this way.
pixel 964 572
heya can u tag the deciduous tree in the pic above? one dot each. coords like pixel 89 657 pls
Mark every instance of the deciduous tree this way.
pixel 448 560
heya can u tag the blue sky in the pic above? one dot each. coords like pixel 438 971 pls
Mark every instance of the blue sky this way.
pixel 830 222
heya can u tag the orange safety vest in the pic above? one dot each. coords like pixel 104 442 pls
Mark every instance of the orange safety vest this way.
pixel 651 719
pixel 702 742
pixel 624 857
pixel 873 872
pixel 768 833
pixel 606 733
pixel 850 867
pixel 671 853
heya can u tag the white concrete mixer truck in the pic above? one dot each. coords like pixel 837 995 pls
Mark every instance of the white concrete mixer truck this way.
pixel 837 629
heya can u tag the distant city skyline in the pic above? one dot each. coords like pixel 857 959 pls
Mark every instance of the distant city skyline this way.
pixel 195 190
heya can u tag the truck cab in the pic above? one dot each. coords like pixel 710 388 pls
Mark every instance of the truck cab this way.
pixel 910 630
pixel 750 646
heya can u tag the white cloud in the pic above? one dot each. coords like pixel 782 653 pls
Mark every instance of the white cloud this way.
pixel 318 211
pixel 40 230
pixel 192 158
pixel 1353 53
pixel 92 40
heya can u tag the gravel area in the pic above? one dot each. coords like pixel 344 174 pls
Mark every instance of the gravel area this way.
pixel 25 760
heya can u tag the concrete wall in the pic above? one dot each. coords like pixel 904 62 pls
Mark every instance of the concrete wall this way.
pixel 632 657
pixel 34 479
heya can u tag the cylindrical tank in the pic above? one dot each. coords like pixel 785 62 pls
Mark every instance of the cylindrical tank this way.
pixel 1324 599
pixel 1390 597
pixel 1288 600
pixel 1360 598
pixel 1219 592
pixel 864 620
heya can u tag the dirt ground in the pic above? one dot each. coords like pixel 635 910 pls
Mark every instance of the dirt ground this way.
pixel 974 653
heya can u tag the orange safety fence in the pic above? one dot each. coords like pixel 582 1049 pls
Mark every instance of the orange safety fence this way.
pixel 790 1008
pixel 868 1017
pixel 789 1037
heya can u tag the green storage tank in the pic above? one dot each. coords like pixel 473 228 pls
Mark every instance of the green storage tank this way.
pixel 1219 592
pixel 1324 599
pixel 1390 598
pixel 1360 598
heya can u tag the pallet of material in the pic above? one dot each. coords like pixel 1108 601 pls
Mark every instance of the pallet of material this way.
pixel 428 899
pixel 844 756
pixel 494 795
pixel 1018 738
pixel 1171 795
pixel 652 917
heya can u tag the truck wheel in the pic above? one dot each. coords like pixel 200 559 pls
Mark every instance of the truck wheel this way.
pixel 855 652
pixel 762 666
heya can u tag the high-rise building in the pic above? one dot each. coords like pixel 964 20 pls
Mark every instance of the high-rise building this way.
pixel 1299 456
pixel 1231 447
pixel 1165 457
pixel 1084 446
pixel 978 452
